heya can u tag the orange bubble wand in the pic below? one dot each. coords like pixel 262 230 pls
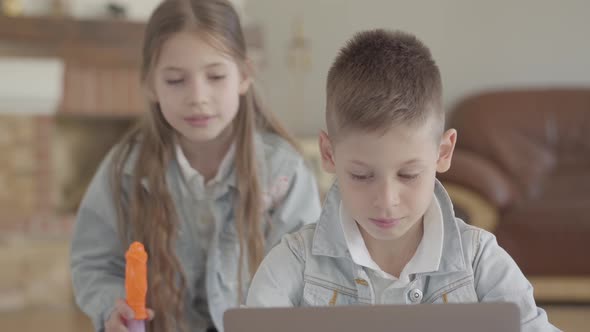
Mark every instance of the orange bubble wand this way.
pixel 136 285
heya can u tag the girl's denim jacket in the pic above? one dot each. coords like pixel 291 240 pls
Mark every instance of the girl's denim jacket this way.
pixel 97 255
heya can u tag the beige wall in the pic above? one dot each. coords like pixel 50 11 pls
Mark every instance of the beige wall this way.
pixel 136 9
pixel 478 44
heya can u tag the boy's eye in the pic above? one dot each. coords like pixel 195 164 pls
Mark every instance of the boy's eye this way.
pixel 409 176
pixel 360 177
pixel 175 81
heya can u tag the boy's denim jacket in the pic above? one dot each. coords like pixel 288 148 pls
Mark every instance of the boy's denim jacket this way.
pixel 97 255
pixel 313 267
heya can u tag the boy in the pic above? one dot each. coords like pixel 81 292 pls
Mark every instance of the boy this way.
pixel 387 233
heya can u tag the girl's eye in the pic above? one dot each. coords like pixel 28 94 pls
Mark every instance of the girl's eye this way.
pixel 175 82
pixel 360 177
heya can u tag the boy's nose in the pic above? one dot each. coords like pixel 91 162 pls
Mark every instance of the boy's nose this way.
pixel 387 195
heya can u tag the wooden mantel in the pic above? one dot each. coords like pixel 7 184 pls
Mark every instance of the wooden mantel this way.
pixel 104 41
pixel 101 58
pixel 98 41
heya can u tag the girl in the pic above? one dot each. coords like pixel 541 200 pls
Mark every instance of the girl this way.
pixel 208 182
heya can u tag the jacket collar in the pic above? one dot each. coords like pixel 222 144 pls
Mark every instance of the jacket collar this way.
pixel 329 237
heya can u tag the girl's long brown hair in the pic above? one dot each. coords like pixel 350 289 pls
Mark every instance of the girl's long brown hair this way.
pixel 147 213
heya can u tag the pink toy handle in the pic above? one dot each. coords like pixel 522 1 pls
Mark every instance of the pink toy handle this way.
pixel 136 325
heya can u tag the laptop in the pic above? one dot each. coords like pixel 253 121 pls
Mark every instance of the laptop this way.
pixel 478 317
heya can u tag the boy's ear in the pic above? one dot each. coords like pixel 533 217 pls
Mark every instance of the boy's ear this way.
pixel 327 153
pixel 246 77
pixel 445 151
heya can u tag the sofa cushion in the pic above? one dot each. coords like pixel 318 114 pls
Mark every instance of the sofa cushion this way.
pixel 549 237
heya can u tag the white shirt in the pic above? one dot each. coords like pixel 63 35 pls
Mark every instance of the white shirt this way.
pixel 204 224
pixel 426 258
pixel 192 176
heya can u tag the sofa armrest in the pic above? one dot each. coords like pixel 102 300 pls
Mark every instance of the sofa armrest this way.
pixel 477 210
pixel 481 176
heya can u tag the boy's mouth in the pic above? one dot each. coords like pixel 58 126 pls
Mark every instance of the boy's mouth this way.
pixel 385 222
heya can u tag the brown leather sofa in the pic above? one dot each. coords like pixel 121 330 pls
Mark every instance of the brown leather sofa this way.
pixel 521 169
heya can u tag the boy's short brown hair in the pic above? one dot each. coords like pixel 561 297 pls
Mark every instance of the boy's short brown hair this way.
pixel 382 78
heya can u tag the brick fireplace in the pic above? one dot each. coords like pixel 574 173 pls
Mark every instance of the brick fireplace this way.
pixel 46 164
pixel 47 160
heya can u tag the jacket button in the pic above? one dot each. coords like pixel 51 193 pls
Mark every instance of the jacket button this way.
pixel 415 295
